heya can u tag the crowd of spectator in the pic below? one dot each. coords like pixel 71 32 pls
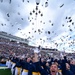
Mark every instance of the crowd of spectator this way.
pixel 8 48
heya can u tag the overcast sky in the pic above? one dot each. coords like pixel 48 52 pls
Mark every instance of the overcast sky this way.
pixel 52 27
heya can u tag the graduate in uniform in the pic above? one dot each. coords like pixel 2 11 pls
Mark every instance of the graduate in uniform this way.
pixel 45 65
pixel 72 66
pixel 68 71
pixel 13 62
pixel 8 63
pixel 18 67
pixel 54 70
pixel 25 66
pixel 35 67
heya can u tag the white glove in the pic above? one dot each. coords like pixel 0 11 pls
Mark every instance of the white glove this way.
pixel 36 50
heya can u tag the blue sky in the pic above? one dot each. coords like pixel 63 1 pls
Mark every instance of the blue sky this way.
pixel 55 29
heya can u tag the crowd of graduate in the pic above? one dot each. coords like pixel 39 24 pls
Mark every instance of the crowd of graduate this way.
pixel 38 65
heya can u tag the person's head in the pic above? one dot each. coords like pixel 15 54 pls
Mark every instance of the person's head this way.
pixel 42 60
pixel 53 69
pixel 28 59
pixel 67 66
pixel 56 63
pixel 33 59
pixel 47 64
pixel 72 62
pixel 64 57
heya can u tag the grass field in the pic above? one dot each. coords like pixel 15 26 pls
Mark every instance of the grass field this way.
pixel 5 71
